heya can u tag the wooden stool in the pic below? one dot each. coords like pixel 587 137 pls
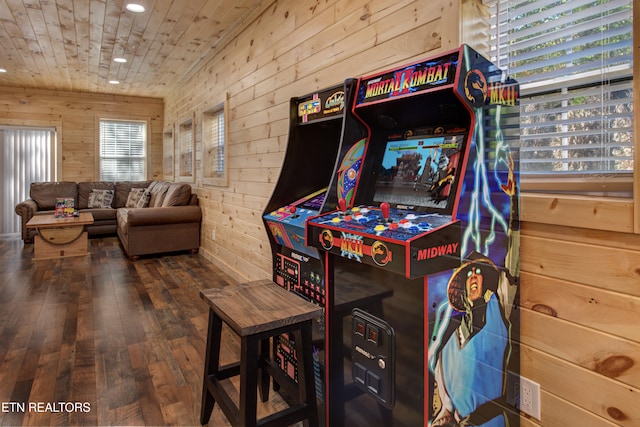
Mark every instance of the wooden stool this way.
pixel 257 311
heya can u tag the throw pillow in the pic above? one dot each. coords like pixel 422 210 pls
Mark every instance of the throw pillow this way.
pixel 138 198
pixel 158 189
pixel 144 200
pixel 177 195
pixel 100 198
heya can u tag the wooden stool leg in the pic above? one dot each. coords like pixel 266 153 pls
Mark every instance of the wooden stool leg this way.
pixel 211 365
pixel 306 379
pixel 274 357
pixel 248 381
pixel 263 374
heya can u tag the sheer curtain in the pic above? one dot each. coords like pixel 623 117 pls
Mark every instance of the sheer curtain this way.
pixel 27 155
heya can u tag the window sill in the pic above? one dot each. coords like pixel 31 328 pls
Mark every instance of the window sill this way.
pixel 187 179
pixel 221 181
pixel 621 185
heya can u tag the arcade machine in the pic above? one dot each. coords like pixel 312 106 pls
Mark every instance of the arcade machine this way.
pixel 433 218
pixel 319 122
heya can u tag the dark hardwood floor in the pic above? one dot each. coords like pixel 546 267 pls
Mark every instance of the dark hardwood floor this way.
pixel 102 340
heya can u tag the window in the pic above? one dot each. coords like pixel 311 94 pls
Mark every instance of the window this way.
pixel 167 150
pixel 186 151
pixel 123 150
pixel 214 139
pixel 574 63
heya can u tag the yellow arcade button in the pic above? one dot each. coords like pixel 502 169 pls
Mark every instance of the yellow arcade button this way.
pixel 379 227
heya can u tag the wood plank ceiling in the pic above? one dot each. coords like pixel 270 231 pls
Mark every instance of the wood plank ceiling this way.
pixel 70 45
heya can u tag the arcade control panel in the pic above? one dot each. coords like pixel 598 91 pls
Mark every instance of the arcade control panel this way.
pixel 287 223
pixel 383 221
pixel 405 242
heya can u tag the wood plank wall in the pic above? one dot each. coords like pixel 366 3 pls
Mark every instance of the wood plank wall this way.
pixel 580 299
pixel 75 115
pixel 580 290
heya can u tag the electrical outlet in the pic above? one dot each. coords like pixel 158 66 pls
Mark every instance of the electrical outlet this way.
pixel 523 394
pixel 530 397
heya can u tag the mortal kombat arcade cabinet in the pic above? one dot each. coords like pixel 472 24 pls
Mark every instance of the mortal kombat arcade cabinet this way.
pixel 415 242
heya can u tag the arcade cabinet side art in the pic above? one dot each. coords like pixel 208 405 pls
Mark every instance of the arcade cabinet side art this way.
pixel 473 316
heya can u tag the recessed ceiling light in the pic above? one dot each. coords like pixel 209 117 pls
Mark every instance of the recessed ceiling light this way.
pixel 2 70
pixel 121 60
pixel 134 7
pixel 114 82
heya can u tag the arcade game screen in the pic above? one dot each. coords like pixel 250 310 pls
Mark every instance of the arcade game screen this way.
pixel 420 173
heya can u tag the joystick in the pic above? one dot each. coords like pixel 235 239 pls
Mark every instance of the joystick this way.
pixel 384 208
pixel 342 204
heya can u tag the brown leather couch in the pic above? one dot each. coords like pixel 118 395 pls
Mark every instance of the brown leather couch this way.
pixel 169 221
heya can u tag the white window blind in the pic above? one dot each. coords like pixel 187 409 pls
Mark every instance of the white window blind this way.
pixel 574 62
pixel 186 148
pixel 26 155
pixel 122 150
pixel 215 144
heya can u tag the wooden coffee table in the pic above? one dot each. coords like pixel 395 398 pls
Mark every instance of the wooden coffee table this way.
pixel 60 237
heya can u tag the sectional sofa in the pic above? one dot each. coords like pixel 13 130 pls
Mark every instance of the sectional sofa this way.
pixel 149 217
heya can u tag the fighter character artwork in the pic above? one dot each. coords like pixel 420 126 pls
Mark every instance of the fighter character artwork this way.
pixel 426 176
pixel 471 347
